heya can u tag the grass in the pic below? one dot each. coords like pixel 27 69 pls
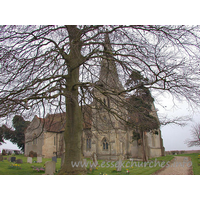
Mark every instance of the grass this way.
pixel 195 158
pixel 8 168
pixel 137 168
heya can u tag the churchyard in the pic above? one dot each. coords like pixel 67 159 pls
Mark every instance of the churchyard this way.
pixel 21 165
pixel 24 165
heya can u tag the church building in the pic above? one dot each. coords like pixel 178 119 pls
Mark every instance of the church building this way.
pixel 104 133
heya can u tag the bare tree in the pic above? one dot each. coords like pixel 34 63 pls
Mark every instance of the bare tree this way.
pixel 195 135
pixel 47 69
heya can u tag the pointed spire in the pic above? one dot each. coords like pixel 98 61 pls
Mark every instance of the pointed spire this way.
pixel 108 73
pixel 107 45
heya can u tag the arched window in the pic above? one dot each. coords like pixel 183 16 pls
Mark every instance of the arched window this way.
pixel 104 100
pixel 108 99
pixel 88 143
pixel 105 144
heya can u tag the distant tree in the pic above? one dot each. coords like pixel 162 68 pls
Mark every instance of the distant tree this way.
pixel 195 135
pixel 1 137
pixel 140 106
pixel 17 136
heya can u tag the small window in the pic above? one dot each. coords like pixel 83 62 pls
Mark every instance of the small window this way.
pixel 104 100
pixel 108 102
pixel 88 143
pixel 105 144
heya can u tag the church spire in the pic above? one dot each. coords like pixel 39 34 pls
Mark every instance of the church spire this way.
pixel 108 73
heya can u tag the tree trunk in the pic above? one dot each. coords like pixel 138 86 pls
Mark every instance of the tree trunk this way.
pixel 74 121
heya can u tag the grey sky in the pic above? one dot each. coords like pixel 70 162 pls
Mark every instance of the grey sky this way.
pixel 174 136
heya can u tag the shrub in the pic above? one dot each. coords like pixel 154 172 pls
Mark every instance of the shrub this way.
pixel 3 152
pixel 16 152
pixel 32 154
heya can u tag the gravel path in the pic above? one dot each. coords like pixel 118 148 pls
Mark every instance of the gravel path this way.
pixel 178 166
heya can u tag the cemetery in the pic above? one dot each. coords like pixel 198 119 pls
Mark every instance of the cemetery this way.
pixel 21 165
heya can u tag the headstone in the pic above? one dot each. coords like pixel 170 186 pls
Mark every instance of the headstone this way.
pixel 19 161
pixel 94 159
pixel 50 167
pixel 119 164
pixel 13 159
pixel 39 159
pixel 1 158
pixel 5 158
pixel 29 159
pixel 54 159
pixel 9 159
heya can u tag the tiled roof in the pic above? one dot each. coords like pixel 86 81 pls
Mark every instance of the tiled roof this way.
pixel 56 122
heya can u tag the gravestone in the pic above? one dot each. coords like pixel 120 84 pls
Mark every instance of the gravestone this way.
pixel 5 158
pixel 54 159
pixel 1 158
pixel 119 164
pixel 19 161
pixel 39 159
pixel 95 158
pixel 29 159
pixel 95 162
pixel 50 167
pixel 13 159
pixel 9 159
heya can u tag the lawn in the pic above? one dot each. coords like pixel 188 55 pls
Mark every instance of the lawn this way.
pixel 137 167
pixel 104 168
pixel 195 157
pixel 9 168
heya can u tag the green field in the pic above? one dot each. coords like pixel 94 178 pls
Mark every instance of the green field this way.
pixel 137 168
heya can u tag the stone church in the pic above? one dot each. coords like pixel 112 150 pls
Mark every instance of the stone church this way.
pixel 103 134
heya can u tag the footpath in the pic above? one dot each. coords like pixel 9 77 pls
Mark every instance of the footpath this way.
pixel 178 166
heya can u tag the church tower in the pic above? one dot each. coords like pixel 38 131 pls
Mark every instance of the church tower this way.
pixel 108 76
pixel 108 132
pixel 109 137
pixel 106 100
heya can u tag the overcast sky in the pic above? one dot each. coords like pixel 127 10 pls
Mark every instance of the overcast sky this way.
pixel 174 136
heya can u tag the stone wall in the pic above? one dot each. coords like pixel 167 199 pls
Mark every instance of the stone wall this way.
pixel 51 146
pixel 34 137
pixel 155 152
